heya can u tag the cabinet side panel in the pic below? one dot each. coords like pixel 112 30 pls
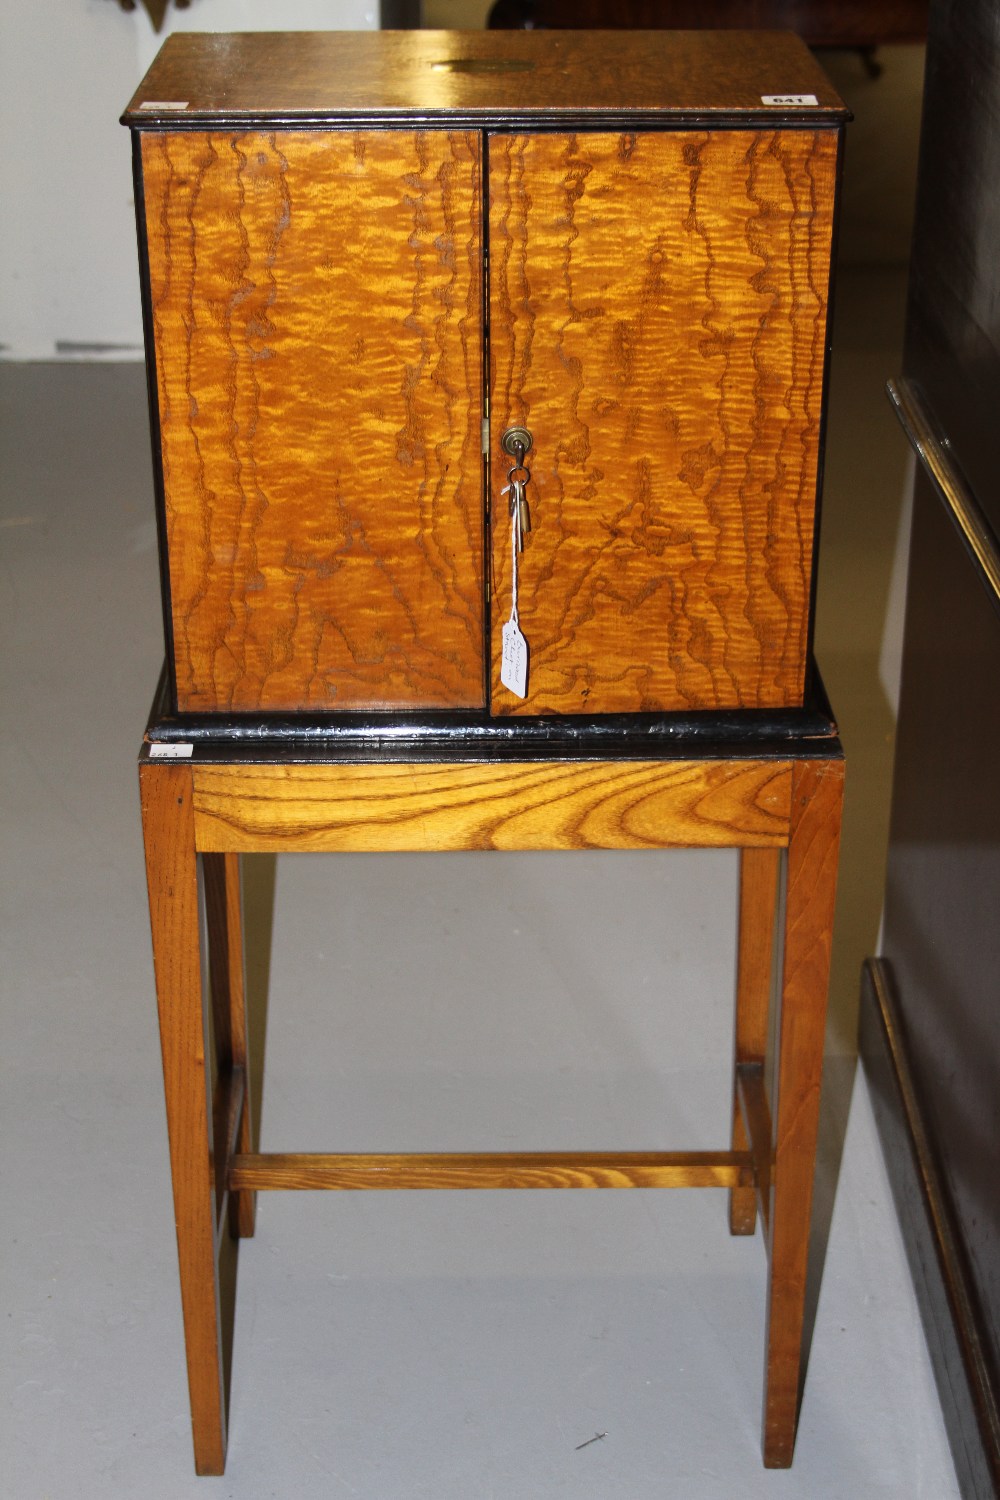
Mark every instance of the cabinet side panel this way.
pixel 317 318
pixel 658 321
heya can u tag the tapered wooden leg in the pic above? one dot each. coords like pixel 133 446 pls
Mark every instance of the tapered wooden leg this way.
pixel 817 790
pixel 224 921
pixel 172 877
pixel 758 897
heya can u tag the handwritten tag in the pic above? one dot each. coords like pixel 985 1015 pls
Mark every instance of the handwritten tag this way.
pixel 170 750
pixel 514 660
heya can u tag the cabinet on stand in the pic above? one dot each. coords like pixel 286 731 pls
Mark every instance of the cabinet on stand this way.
pixel 487 382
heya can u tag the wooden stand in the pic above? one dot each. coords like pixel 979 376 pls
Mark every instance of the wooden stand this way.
pixel 223 801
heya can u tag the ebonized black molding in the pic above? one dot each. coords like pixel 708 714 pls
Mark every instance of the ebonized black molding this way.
pixel 496 121
pixel 937 1264
pixel 153 404
pixel 751 734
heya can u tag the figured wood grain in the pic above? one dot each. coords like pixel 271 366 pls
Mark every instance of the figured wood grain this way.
pixel 817 795
pixel 514 805
pixel 447 74
pixel 316 310
pixel 658 322
pixel 565 1169
pixel 172 879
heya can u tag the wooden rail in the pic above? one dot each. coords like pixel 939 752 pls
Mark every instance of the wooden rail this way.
pixel 544 1169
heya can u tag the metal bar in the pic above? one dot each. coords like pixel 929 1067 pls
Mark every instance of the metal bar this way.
pixel 934 452
pixel 941 1264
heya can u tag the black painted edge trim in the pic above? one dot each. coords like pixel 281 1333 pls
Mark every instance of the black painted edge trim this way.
pixel 803 733
pixel 493 120
pixel 969 1400
pixel 824 419
pixel 153 403
pixel 486 416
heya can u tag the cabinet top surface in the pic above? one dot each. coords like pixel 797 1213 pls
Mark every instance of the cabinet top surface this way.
pixel 485 77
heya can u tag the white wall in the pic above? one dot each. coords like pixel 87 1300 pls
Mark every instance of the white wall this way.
pixel 68 279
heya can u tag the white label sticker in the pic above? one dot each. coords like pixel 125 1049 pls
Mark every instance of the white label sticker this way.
pixel 163 104
pixel 161 750
pixel 795 100
pixel 514 660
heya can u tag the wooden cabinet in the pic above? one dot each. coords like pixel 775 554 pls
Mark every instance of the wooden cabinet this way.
pixel 365 253
pixel 367 259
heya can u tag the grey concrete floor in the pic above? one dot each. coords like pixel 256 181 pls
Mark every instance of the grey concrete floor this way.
pixel 454 1346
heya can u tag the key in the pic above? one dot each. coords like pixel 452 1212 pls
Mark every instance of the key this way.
pixel 518 506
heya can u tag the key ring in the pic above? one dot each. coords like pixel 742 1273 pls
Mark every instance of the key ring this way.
pixel 517 478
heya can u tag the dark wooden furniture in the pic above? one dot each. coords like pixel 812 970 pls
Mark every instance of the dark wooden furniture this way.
pixel 851 24
pixel 930 1035
pixel 386 278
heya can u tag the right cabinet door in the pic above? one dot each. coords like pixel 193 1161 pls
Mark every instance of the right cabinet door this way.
pixel 657 310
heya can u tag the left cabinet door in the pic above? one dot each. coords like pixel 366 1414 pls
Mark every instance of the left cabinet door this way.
pixel 316 323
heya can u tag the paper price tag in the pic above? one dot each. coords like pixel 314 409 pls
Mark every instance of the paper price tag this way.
pixel 170 750
pixel 514 660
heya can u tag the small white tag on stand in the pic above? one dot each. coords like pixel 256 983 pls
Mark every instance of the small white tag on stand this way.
pixel 514 660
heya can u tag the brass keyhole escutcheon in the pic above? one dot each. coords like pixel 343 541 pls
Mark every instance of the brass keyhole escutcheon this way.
pixel 516 441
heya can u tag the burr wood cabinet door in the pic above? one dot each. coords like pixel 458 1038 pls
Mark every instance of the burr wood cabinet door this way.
pixel 658 322
pixel 315 301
